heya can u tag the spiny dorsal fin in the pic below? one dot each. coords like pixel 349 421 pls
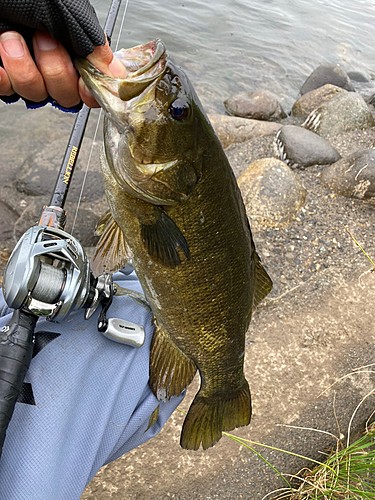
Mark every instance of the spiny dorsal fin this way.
pixel 263 283
pixel 170 370
pixel 163 238
pixel 112 252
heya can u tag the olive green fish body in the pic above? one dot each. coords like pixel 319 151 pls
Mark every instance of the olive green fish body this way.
pixel 184 223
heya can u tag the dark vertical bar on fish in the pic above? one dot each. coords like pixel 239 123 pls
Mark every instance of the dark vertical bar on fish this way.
pixel 71 154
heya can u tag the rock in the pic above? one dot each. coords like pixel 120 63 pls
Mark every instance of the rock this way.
pixel 38 173
pixel 231 130
pixel 353 176
pixel 358 76
pixel 258 105
pixel 347 111
pixel 311 100
pixel 272 193
pixel 300 148
pixel 84 230
pixel 327 73
pixel 8 218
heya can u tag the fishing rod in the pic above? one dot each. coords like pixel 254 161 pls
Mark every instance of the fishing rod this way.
pixel 48 275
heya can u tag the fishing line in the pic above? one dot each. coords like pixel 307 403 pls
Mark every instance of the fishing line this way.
pixel 96 129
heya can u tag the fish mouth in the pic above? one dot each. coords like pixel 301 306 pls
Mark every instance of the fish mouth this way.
pixel 144 65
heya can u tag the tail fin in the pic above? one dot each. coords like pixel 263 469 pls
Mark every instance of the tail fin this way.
pixel 209 417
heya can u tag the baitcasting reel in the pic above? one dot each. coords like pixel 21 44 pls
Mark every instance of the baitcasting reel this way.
pixel 48 274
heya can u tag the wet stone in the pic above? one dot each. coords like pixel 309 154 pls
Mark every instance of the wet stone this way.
pixel 327 73
pixel 272 193
pixel 258 105
pixel 231 129
pixel 342 113
pixel 353 176
pixel 300 148
pixel 358 76
pixel 310 101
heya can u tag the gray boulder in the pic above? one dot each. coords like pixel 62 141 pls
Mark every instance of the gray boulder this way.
pixel 345 112
pixel 232 130
pixel 258 105
pixel 38 173
pixel 358 76
pixel 300 148
pixel 353 176
pixel 272 193
pixel 310 101
pixel 327 73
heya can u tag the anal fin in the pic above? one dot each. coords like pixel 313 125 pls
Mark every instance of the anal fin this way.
pixel 112 252
pixel 170 370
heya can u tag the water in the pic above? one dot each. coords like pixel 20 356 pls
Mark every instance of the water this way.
pixel 228 46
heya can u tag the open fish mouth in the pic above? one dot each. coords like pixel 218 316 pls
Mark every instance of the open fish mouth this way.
pixel 144 65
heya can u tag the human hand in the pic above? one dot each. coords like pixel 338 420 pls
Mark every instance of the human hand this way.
pixel 52 72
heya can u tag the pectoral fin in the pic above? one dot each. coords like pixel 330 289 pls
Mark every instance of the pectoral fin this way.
pixel 163 239
pixel 112 253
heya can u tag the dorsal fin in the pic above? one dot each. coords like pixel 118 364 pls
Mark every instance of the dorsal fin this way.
pixel 263 283
pixel 112 253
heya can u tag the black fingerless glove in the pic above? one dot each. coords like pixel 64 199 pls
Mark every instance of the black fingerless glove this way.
pixel 72 22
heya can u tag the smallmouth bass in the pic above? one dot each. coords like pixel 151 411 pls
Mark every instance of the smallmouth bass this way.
pixel 176 211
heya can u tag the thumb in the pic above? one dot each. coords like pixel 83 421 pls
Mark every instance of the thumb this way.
pixel 102 58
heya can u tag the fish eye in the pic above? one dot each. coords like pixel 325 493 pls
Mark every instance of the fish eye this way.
pixel 179 109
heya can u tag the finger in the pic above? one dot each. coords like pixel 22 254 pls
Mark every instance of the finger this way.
pixel 22 72
pixel 102 58
pixel 86 95
pixel 57 70
pixel 5 85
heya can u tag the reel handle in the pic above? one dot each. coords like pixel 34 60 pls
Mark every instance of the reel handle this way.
pixel 16 350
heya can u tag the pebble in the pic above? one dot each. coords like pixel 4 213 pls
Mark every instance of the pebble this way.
pixel 300 148
pixel 327 73
pixel 353 176
pixel 345 112
pixel 258 105
pixel 272 193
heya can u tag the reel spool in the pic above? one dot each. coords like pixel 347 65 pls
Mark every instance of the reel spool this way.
pixel 48 274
